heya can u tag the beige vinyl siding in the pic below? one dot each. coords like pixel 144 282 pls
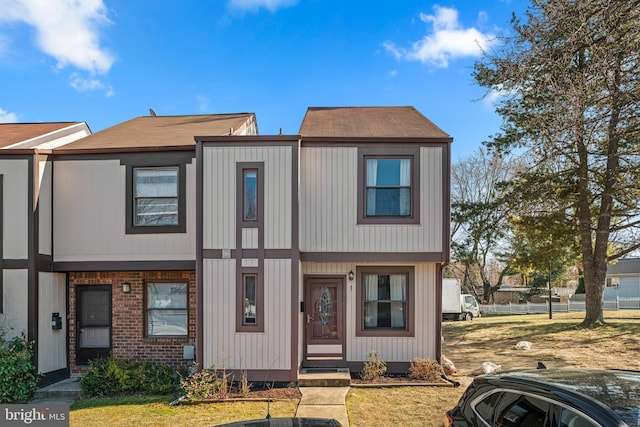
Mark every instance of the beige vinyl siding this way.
pixel 52 344
pixel 219 195
pixel 328 206
pixel 15 192
pixel 14 318
pixel 269 350
pixel 393 349
pixel 45 201
pixel 89 217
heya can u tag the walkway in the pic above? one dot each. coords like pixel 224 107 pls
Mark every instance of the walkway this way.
pixel 323 402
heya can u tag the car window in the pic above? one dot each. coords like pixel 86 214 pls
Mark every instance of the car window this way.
pixel 485 407
pixel 571 419
pixel 516 410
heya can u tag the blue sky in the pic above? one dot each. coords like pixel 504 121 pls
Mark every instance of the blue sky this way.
pixel 107 61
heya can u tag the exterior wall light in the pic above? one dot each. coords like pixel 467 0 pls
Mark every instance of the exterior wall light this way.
pixel 126 287
pixel 351 276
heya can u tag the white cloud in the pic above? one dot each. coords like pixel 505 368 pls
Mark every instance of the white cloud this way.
pixel 67 30
pixel 253 5
pixel 494 96
pixel 447 40
pixel 82 84
pixel 7 117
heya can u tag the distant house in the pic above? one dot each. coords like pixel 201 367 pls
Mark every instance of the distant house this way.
pixel 182 237
pixel 623 279
pixel 33 297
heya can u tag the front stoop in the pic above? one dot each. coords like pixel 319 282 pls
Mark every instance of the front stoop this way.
pixel 309 377
pixel 65 391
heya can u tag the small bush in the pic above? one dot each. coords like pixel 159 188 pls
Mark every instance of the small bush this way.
pixel 18 375
pixel 205 384
pixel 425 370
pixel 113 377
pixel 374 368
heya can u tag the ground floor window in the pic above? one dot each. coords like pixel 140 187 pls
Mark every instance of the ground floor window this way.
pixel 385 301
pixel 166 309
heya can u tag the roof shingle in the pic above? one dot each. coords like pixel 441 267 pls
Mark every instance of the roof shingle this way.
pixel 351 122
pixel 162 131
pixel 13 133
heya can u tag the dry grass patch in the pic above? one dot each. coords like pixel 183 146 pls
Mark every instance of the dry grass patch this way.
pixel 155 411
pixel 401 406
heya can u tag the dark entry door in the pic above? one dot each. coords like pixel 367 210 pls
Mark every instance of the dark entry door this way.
pixel 324 318
pixel 93 313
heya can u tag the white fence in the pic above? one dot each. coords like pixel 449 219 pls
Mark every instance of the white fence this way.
pixel 557 307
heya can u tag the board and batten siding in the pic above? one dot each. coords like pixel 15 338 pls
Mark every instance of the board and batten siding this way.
pixel 328 206
pixel 15 316
pixel 223 346
pixel 45 205
pixel 15 191
pixel 89 217
pixel 219 194
pixel 52 344
pixel 392 349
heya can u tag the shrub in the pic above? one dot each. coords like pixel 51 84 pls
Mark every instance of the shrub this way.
pixel 112 377
pixel 205 384
pixel 18 375
pixel 425 370
pixel 374 368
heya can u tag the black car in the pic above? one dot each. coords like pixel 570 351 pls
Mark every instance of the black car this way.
pixel 550 397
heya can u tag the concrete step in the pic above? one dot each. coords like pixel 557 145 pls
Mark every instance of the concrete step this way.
pixel 324 377
pixel 67 390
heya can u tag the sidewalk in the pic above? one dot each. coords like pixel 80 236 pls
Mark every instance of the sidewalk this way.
pixel 323 402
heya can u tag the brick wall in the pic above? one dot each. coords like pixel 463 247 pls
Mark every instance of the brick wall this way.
pixel 128 316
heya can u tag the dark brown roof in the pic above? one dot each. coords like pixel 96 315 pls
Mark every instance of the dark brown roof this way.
pixel 368 122
pixel 161 131
pixel 13 133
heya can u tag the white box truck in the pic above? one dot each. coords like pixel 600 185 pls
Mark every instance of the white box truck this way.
pixel 455 304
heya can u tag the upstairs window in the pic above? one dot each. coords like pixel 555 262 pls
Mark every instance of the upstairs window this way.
pixel 155 196
pixel 250 190
pixel 388 185
pixel 156 192
pixel 388 191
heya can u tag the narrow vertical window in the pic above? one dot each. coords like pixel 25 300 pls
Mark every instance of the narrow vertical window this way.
pixel 249 316
pixel 250 178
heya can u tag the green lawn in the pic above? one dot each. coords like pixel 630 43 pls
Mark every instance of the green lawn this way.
pixel 557 342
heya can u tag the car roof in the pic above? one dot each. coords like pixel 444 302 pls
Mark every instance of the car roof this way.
pixel 619 390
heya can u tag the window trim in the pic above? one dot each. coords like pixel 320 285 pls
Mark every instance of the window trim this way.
pixel 411 153
pixel 409 330
pixel 146 307
pixel 241 326
pixel 178 160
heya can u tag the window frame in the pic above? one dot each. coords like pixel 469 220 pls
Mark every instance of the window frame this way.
pixel 409 329
pixel 241 325
pixel 146 308
pixel 161 160
pixel 391 153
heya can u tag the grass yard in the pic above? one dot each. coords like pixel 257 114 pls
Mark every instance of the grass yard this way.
pixel 557 342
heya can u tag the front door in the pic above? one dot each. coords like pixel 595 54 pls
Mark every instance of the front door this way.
pixel 324 318
pixel 93 322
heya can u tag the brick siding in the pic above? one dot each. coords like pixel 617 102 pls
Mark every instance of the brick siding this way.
pixel 128 316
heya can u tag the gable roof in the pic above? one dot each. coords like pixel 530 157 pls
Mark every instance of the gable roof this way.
pixel 624 266
pixel 15 133
pixel 153 132
pixel 349 122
